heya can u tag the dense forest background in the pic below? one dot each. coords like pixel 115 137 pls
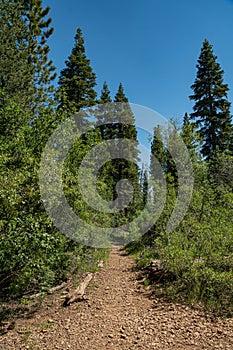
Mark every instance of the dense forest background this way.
pixel 34 255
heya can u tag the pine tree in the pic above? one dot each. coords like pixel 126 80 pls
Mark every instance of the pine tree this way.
pixel 77 80
pixel 124 131
pixel 231 145
pixel 212 108
pixel 40 30
pixel 76 91
pixel 26 72
pixel 127 129
pixel 120 95
pixel 119 123
pixel 124 128
pixel 157 152
pixel 14 77
pixel 172 146
pixel 189 136
pixel 105 94
pixel 145 187
pixel 103 111
pixel 164 141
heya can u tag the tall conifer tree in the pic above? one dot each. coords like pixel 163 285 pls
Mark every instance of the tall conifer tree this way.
pixel 26 72
pixel 77 81
pixel 157 152
pixel 14 77
pixel 212 108
pixel 103 112
pixel 40 30
pixel 120 95
pixel 124 169
pixel 105 94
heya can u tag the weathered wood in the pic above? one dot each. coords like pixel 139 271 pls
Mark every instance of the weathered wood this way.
pixel 55 289
pixel 33 296
pixel 78 293
pixel 50 291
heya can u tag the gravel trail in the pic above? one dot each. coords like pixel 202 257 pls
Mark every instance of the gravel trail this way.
pixel 119 313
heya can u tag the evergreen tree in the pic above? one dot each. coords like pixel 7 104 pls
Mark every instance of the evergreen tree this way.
pixel 105 94
pixel 124 131
pixel 145 187
pixel 212 108
pixel 158 156
pixel 103 112
pixel 76 91
pixel 77 80
pixel 14 77
pixel 125 114
pixel 40 30
pixel 119 123
pixel 172 145
pixel 157 152
pixel 124 128
pixel 189 136
pixel 163 141
pixel 110 115
pixel 120 95
pixel 221 174
pixel 25 70
pixel 231 145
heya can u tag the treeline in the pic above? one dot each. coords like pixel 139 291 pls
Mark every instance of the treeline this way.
pixel 34 254
pixel 197 257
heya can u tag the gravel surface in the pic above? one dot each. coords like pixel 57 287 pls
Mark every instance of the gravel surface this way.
pixel 119 313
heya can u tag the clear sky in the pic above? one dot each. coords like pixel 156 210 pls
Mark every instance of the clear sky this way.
pixel 151 46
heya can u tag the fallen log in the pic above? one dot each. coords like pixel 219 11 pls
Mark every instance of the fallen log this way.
pixel 49 291
pixel 55 289
pixel 78 293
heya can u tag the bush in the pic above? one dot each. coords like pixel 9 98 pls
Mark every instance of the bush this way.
pixel 198 254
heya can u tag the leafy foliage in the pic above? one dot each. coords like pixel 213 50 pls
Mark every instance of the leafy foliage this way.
pixel 198 254
pixel 34 255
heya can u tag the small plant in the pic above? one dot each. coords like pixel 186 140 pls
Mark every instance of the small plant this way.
pixel 146 283
pixel 25 301
pixel 47 325
pixel 26 335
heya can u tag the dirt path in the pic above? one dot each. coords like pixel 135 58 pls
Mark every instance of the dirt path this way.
pixel 119 313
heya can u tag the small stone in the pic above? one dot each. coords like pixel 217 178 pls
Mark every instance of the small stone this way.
pixel 50 320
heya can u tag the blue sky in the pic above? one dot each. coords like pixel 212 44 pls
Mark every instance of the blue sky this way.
pixel 150 46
